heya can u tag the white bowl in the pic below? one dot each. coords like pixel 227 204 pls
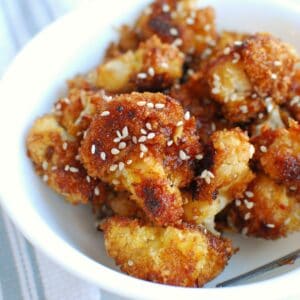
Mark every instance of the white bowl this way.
pixel 66 233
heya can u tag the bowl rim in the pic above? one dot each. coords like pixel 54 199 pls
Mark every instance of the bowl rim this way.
pixel 92 271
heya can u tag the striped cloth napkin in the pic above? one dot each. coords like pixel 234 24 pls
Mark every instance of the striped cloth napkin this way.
pixel 25 273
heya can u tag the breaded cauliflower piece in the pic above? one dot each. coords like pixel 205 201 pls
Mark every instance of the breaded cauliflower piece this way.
pixel 143 144
pixel 224 174
pixel 153 66
pixel 267 210
pixel 179 22
pixel 278 155
pixel 183 256
pixel 55 157
pixel 250 76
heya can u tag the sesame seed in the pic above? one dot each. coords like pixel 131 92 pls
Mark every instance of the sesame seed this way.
pixel 207 176
pixel 260 116
pixel 277 63
pixel 116 140
pixel 103 155
pixel 142 75
pixel 244 109
pixel 263 149
pixel 199 156
pixel 121 166
pixel 141 103
pixel 77 157
pixel 122 145
pixel 105 113
pixel 248 204
pixel 148 126
pixel 226 50
pixel 270 225
pixel 238 202
pixel 97 191
pixel 238 43
pixel 150 105
pixel 236 58
pixel 183 155
pixel 93 149
pixel 143 148
pixel 67 167
pixel 142 139
pixel 164 65
pixel 170 143
pixel 53 168
pixel 67 100
pixel 143 131
pixel 134 139
pixel 244 230
pixel 159 105
pixel 190 21
pixel 215 91
pixel 125 132
pixel 177 42
pixel 113 168
pixel 251 151
pixel 45 177
pixel 295 101
pixel 213 126
pixel 142 154
pixel 207 27
pixel 249 194
pixel 65 145
pixel 129 162
pixel 58 106
pixel 273 76
pixel 130 262
pixel 119 134
pixel 247 216
pixel 187 115
pixel 88 178
pixel 293 188
pixel 115 151
pixel 206 53
pixel 45 165
pixel 151 72
pixel 287 221
pixel 151 136
pixel 74 170
pixel 165 8
pixel 180 123
pixel 173 31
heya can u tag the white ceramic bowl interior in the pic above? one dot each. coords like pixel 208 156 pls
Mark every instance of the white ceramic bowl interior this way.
pixel 75 44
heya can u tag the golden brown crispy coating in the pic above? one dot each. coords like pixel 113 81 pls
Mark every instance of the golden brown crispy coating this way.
pixel 224 174
pixel 183 256
pixel 55 156
pixel 153 66
pixel 267 210
pixel 179 22
pixel 278 155
pixel 251 74
pixel 143 144
pixel 293 104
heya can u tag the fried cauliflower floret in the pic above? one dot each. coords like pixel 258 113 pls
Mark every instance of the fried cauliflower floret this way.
pixel 153 66
pixel 278 155
pixel 251 74
pixel 183 256
pixel 224 174
pixel 267 210
pixel 143 144
pixel 179 22
pixel 55 157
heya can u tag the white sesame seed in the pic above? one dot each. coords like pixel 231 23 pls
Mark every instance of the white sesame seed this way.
pixel 53 168
pixel 244 230
pixel 129 162
pixel 251 151
pixel 177 42
pixel 119 134
pixel 148 126
pixel 199 156
pixel 125 132
pixel 247 216
pixel 45 177
pixel 277 63
pixel 88 178
pixel 238 202
pixel 238 43
pixel 236 58
pixel 143 131
pixel 187 115
pixel 151 72
pixel 215 91
pixel 249 194
pixel 105 113
pixel 213 126
pixel 273 76
pixel 141 103
pixel 65 145
pixel 226 50
pixel 151 135
pixel 142 75
pixel 159 105
pixel 270 225
pixel 190 21
pixel 97 191
pixel 77 157
pixel 170 143
pixel 244 109
pixel 45 165
pixel 293 188
pixel 183 155
pixel 142 154
pixel 134 139
pixel 122 145
pixel 164 65
pixel 142 139
pixel 67 167
pixel 93 149
pixel 180 123
pixel 121 166
pixel 113 168
pixel 130 262
pixel 115 151
pixel 207 175
pixel 173 31
pixel 248 204
pixel 116 140
pixel 143 148
pixel 150 105
pixel 263 149
pixel 295 101
pixel 207 27
pixel 74 170
pixel 103 155
pixel 260 116
pixel 165 8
